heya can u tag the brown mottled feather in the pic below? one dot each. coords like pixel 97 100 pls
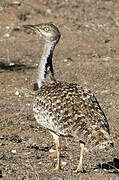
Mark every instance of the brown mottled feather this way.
pixel 70 110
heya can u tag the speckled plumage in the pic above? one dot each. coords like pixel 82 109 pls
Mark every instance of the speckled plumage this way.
pixel 70 110
pixel 66 109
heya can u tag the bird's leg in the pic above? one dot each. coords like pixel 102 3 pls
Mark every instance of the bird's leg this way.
pixel 79 167
pixel 57 142
pixel 58 150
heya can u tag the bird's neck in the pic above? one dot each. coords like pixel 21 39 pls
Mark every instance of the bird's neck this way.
pixel 45 67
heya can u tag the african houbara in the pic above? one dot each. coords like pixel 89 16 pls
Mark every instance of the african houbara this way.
pixel 66 109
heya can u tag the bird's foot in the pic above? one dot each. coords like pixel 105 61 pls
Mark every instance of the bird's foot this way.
pixel 57 168
pixel 78 170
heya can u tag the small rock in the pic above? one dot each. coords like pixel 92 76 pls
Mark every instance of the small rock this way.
pixel 52 150
pixel 39 163
pixel 2 137
pixel 7 27
pixel 28 153
pixel 27 103
pixel 18 3
pixel 96 55
pixel 11 64
pixel 96 170
pixel 64 163
pixel 106 59
pixel 14 151
pixel 17 93
pixel 49 11
pixel 7 35
pixel 1 8
pixel 68 60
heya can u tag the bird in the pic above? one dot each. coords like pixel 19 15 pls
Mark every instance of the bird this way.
pixel 64 108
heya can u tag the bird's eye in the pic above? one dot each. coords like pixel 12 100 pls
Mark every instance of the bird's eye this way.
pixel 46 29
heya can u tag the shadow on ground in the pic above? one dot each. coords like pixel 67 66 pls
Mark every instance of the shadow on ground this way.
pixel 14 67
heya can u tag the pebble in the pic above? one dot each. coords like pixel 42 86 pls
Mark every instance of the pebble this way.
pixel 1 8
pixel 106 59
pixel 28 104
pixel 18 3
pixel 67 60
pixel 28 153
pixel 40 163
pixel 14 151
pixel 17 93
pixel 52 150
pixel 64 163
pixel 11 64
pixel 6 35
pixel 49 11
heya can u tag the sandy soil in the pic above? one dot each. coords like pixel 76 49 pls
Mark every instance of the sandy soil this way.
pixel 88 54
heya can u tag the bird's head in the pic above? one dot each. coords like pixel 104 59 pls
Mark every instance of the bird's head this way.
pixel 48 30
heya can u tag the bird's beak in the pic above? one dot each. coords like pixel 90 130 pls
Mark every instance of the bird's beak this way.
pixel 31 27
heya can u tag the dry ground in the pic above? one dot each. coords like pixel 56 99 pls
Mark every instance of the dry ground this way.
pixel 88 54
